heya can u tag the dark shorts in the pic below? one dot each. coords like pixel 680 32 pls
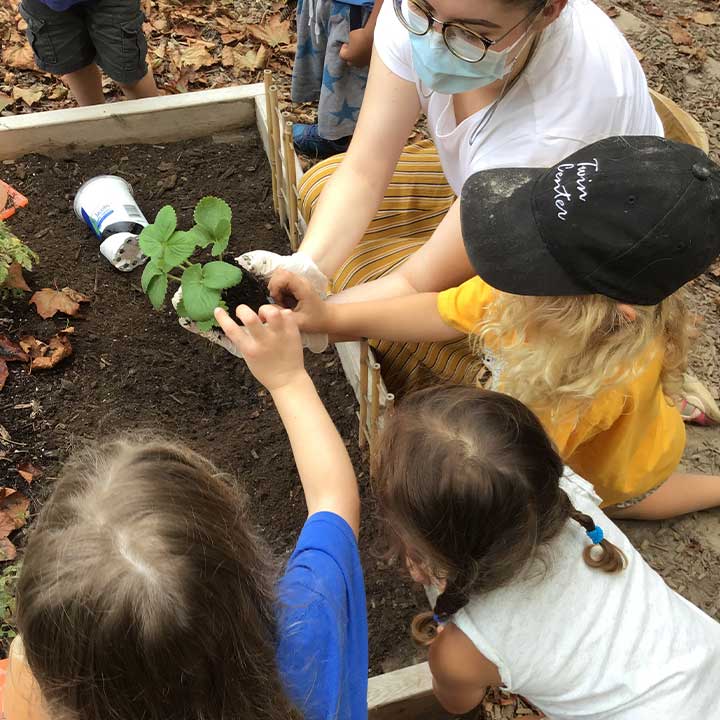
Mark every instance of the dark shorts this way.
pixel 106 32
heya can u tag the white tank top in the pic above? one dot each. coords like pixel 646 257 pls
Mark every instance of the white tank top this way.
pixel 582 644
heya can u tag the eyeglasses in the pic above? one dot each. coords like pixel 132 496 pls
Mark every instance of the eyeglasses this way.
pixel 459 40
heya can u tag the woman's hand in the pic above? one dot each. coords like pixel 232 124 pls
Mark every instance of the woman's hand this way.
pixel 311 312
pixel 273 350
pixel 264 263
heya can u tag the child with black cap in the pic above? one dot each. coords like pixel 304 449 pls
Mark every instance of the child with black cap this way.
pixel 578 307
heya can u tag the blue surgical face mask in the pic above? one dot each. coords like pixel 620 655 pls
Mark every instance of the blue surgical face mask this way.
pixel 443 72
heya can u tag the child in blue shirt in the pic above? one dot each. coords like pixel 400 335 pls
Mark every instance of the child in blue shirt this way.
pixel 75 38
pixel 145 591
pixel 334 44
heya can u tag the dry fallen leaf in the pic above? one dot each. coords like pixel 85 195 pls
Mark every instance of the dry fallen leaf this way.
pixel 59 92
pixel 273 32
pixel 231 37
pixel 612 12
pixel 4 372
pixel 29 95
pixel 10 351
pixel 48 302
pixel 248 60
pixel 15 279
pixel 227 57
pixel 13 515
pixel 20 57
pixel 28 472
pixel 653 10
pixel 45 356
pixel 679 35
pixel 704 18
pixel 5 100
pixel 195 56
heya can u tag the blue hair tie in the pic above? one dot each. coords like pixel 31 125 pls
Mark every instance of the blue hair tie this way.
pixel 595 535
pixel 438 620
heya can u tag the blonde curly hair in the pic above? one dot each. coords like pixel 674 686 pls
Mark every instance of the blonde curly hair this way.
pixel 564 350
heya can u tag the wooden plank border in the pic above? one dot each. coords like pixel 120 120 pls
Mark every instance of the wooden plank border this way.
pixel 149 120
pixel 404 694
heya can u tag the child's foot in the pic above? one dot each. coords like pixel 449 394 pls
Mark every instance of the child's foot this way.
pixel 308 142
pixel 357 51
pixel 697 405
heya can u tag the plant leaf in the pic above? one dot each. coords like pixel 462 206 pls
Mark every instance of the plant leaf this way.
pixel 222 237
pixel 219 275
pixel 203 237
pixel 180 309
pixel 166 221
pixel 179 247
pixel 205 325
pixel 153 238
pixel 157 289
pixel 151 242
pixel 198 299
pixel 209 211
pixel 151 271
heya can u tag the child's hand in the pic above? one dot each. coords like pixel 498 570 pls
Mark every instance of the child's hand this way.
pixel 273 350
pixel 311 312
pixel 357 51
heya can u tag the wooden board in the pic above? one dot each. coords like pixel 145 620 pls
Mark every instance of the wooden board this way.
pixel 151 120
pixel 405 693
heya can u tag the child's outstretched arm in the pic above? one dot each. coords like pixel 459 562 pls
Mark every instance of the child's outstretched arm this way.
pixel 408 318
pixel 270 344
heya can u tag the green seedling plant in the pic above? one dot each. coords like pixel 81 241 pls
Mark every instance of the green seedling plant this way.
pixel 170 254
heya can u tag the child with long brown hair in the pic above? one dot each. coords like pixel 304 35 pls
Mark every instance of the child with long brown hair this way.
pixel 577 307
pixel 533 586
pixel 146 593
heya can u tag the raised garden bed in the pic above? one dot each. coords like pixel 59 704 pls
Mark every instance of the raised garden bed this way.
pixel 133 367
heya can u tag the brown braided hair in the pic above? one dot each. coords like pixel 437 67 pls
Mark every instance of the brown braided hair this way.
pixel 467 480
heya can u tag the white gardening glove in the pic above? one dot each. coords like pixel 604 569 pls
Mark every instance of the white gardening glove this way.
pixel 315 342
pixel 264 263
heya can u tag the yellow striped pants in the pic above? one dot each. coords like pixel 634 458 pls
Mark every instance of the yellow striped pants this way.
pixel 414 204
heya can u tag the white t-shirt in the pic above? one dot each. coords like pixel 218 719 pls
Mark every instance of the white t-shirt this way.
pixel 583 84
pixel 583 644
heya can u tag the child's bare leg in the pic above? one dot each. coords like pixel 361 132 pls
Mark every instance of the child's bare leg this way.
pixel 143 88
pixel 681 493
pixel 85 85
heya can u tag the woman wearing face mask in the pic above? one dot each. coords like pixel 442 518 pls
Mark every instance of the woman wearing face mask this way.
pixel 502 83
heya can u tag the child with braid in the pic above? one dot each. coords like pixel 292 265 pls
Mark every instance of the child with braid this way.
pixel 534 588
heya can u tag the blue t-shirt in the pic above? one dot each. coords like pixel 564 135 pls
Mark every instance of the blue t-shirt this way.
pixel 322 621
pixel 61 5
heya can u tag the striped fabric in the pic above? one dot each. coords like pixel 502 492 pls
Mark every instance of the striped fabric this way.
pixel 414 204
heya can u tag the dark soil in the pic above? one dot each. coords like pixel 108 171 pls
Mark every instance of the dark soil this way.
pixel 135 368
pixel 252 291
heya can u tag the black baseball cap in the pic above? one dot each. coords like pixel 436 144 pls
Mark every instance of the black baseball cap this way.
pixel 632 218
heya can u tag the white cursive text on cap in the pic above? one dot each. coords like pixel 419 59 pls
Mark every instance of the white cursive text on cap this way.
pixel 562 195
